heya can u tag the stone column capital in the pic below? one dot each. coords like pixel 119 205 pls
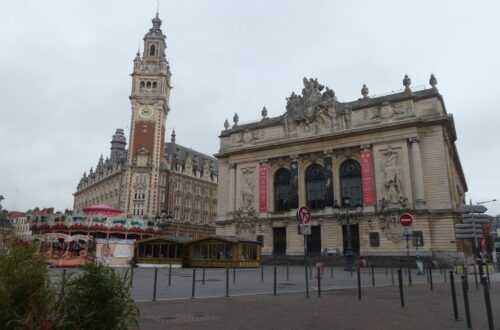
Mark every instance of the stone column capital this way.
pixel 365 146
pixel 328 152
pixel 414 139
pixel 264 161
pixel 294 157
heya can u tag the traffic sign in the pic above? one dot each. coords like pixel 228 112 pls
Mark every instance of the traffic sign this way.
pixel 305 229
pixel 408 230
pixel 405 219
pixel 473 208
pixel 304 215
pixel 469 231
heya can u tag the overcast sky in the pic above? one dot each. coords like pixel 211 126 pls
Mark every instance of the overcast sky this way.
pixel 65 65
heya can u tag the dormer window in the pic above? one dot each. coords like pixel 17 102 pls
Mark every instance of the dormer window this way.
pixel 152 50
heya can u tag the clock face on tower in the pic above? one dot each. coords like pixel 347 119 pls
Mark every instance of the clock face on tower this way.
pixel 146 111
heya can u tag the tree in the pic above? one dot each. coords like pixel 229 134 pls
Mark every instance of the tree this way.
pixel 97 299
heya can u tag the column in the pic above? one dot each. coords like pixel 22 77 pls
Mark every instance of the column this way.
pixel 418 179
pixel 328 166
pixel 232 188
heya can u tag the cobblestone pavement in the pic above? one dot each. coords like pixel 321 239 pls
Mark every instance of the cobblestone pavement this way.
pixel 379 308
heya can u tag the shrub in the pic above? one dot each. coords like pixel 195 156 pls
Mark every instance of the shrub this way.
pixel 97 299
pixel 25 297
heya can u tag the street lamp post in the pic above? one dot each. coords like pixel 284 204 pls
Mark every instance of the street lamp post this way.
pixel 347 212
pixel 162 221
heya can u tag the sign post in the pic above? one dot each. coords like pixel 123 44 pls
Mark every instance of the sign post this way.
pixel 304 218
pixel 406 221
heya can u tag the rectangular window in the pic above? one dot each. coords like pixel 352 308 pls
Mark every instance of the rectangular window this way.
pixel 177 185
pixel 186 215
pixel 187 202
pixel 374 239
pixel 138 209
pixel 141 178
pixel 139 195
pixel 177 200
pixel 176 214
pixel 162 197
pixel 196 203
pixel 196 217
pixel 418 238
pixel 260 238
pixel 206 206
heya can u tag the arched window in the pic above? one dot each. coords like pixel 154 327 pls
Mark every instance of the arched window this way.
pixel 154 85
pixel 143 84
pixel 315 187
pixel 282 190
pixel 152 50
pixel 148 85
pixel 350 181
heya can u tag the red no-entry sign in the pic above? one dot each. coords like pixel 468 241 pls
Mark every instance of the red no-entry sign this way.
pixel 304 215
pixel 405 219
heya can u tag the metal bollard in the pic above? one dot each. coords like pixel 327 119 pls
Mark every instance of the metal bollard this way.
pixel 194 279
pixel 63 281
pixel 287 270
pixel 131 274
pixel 227 281
pixel 169 274
pixel 154 285
pixel 274 294
pixel 359 283
pixel 310 272
pixel 401 295
pixel 488 275
pixel 444 272
pixel 409 275
pixel 430 278
pixel 487 301
pixel 392 275
pixel 373 275
pixel 466 302
pixel 319 281
pixel 453 296
pixel 234 273
pixel 203 277
pixel 331 270
pixel 386 273
pixel 475 277
pixel 262 272
pixel 307 282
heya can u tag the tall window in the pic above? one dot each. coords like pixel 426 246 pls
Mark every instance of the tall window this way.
pixel 141 178
pixel 140 194
pixel 350 181
pixel 282 190
pixel 315 187
pixel 152 50
pixel 138 209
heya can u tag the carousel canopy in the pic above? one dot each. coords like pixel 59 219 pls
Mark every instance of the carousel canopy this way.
pixel 102 209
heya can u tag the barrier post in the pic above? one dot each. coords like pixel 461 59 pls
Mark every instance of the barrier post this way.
pixel 373 275
pixel 359 283
pixel 274 294
pixel 154 285
pixel 487 301
pixel 401 295
pixel 194 279
pixel 319 280
pixel 227 281
pixel 203 276
pixel 466 302
pixel 169 274
pixel 453 296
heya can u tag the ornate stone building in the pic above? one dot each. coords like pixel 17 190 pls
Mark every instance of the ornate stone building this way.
pixel 390 154
pixel 153 179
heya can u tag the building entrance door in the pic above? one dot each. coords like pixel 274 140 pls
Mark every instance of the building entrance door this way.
pixel 314 241
pixel 279 241
pixel 354 237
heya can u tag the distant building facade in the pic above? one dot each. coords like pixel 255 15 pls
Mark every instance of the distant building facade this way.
pixel 391 154
pixel 152 179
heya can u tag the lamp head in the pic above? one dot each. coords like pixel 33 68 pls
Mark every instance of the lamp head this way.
pixel 347 200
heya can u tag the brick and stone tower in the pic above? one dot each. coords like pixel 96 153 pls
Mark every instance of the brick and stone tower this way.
pixel 149 100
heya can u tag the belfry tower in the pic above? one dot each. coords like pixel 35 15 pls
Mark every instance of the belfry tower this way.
pixel 149 102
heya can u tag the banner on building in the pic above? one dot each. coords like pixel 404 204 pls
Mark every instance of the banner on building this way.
pixel 329 181
pixel 263 188
pixel 294 184
pixel 367 177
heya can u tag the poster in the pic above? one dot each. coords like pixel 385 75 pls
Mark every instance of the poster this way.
pixel 367 177
pixel 263 188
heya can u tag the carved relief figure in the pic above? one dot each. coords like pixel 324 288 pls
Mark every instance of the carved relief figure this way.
pixel 247 190
pixel 392 177
pixel 343 116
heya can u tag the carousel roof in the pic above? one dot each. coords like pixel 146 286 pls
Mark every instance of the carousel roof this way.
pixel 101 209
